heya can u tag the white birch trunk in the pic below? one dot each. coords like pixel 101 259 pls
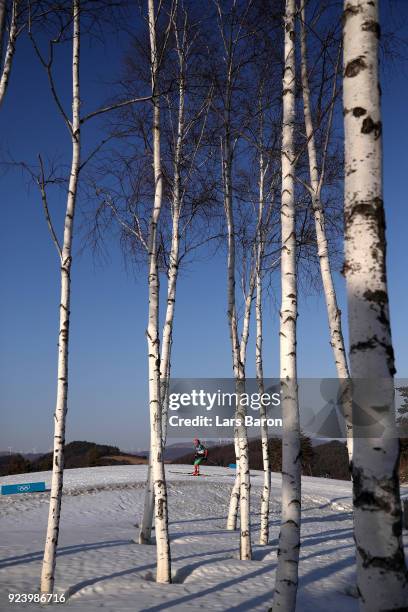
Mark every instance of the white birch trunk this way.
pixel 159 482
pixel 51 543
pixel 10 48
pixel 232 517
pixel 264 530
pixel 167 338
pixel 289 538
pixel 381 569
pixel 238 357
pixel 145 533
pixel 2 27
pixel 333 311
pixel 174 256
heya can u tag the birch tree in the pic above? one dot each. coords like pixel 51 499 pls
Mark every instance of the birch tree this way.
pixel 261 238
pixel 381 568
pixel 258 187
pixel 232 30
pixel 186 193
pixel 317 177
pixel 65 256
pixel 153 338
pixel 289 538
pixel 187 138
pixel 10 47
pixel 64 17
pixel 2 24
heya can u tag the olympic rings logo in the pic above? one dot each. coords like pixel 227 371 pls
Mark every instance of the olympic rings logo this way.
pixel 24 488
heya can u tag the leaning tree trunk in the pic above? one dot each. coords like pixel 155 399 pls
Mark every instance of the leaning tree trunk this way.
pixel 289 538
pixel 10 47
pixel 381 570
pixel 333 311
pixel 153 340
pixel 51 543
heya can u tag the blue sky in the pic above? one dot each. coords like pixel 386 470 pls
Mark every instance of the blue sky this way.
pixel 108 368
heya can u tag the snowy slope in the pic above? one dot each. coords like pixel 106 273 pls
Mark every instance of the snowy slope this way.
pixel 100 565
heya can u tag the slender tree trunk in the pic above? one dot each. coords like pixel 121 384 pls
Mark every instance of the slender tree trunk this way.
pixel 145 533
pixel 238 357
pixel 289 537
pixel 153 340
pixel 174 254
pixel 333 311
pixel 240 494
pixel 51 543
pixel 11 45
pixel 3 12
pixel 244 473
pixel 245 546
pixel 167 339
pixel 381 569
pixel 232 517
pixel 264 531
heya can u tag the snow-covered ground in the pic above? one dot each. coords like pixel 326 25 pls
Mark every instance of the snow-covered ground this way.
pixel 99 564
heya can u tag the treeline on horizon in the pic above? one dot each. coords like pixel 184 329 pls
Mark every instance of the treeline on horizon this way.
pixel 328 459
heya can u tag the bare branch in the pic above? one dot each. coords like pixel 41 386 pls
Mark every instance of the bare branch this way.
pixel 41 182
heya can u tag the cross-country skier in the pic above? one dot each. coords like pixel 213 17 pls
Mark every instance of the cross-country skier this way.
pixel 201 454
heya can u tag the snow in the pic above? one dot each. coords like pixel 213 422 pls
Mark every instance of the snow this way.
pixel 100 565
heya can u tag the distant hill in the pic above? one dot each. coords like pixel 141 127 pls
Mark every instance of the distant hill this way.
pixel 14 464
pixel 223 455
pixel 77 454
pixel 327 459
pixel 177 449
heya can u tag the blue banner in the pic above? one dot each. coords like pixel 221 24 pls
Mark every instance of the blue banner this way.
pixel 27 487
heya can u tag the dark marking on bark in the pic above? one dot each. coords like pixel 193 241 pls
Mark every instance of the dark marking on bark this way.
pixel 378 296
pixel 374 210
pixel 391 563
pixel 358 111
pixel 354 67
pixel 371 126
pixel 349 11
pixel 372 26
pixel 363 346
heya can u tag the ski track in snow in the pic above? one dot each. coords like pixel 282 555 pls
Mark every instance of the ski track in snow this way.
pixel 100 566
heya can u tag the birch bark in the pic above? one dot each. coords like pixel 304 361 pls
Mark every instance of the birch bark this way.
pixel 316 183
pixel 289 537
pixel 172 276
pixel 51 543
pixel 264 530
pixel 382 577
pixel 153 340
pixel 2 27
pixel 11 45
pixel 238 358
